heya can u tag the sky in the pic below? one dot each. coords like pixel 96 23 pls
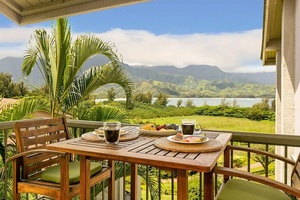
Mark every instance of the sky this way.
pixel 223 33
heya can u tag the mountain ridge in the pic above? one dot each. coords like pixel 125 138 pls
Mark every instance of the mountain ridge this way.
pixel 202 72
pixel 190 81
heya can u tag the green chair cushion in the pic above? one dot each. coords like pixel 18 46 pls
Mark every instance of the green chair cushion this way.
pixel 237 189
pixel 52 174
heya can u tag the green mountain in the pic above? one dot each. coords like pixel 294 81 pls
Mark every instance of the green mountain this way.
pixel 190 81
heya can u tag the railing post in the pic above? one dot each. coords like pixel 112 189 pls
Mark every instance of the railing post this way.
pixel 111 181
pixel 134 181
pixel 5 164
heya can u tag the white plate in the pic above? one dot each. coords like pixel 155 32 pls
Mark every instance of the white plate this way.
pixel 170 138
pixel 101 133
pixel 158 133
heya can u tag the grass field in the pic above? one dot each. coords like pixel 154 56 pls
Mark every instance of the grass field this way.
pixel 222 123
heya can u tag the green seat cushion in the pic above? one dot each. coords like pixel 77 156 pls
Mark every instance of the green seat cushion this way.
pixel 52 174
pixel 237 189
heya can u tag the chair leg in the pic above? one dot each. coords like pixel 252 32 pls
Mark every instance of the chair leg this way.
pixel 15 178
pixel 64 175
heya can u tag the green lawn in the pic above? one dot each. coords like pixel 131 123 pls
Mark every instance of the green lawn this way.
pixel 222 123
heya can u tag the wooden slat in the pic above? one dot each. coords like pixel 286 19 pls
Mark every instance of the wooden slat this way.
pixel 39 157
pixel 35 131
pixel 162 153
pixel 22 3
pixel 148 148
pixel 171 154
pixel 34 2
pixel 192 155
pixel 155 151
pixel 43 164
pixel 45 139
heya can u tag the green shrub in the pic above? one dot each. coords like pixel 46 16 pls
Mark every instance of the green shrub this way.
pixel 253 113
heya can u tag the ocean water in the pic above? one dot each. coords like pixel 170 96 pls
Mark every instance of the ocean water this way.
pixel 241 102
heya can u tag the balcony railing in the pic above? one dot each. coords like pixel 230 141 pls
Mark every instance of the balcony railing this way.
pixel 167 186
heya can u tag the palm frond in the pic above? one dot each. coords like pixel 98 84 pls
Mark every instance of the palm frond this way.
pixel 152 180
pixel 23 108
pixel 37 52
pixel 85 47
pixel 60 58
pixel 92 79
pixel 104 113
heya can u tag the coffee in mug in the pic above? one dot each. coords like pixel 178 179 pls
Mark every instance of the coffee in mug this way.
pixel 111 132
pixel 188 126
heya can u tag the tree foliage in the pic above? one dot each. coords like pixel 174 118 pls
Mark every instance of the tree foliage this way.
pixel 189 103
pixel 9 89
pixel 143 97
pixel 162 100
pixel 111 94
pixel 263 160
pixel 179 102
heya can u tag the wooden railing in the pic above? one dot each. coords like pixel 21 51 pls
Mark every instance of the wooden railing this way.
pixel 242 138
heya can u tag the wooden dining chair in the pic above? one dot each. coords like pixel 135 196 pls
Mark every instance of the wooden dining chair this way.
pixel 45 172
pixel 249 186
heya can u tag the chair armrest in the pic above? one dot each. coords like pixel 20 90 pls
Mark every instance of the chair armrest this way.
pixel 275 156
pixel 37 151
pixel 256 178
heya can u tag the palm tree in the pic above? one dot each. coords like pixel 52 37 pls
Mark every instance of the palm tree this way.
pixel 60 62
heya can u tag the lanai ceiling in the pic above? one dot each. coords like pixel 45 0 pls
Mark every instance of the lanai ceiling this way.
pixel 271 41
pixel 25 12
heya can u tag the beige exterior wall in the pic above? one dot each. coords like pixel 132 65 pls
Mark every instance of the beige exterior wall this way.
pixel 297 68
pixel 288 68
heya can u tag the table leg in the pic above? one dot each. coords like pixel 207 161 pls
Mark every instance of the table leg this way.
pixel 84 177
pixel 208 186
pixel 226 163
pixel 182 184
pixel 134 181
pixel 111 181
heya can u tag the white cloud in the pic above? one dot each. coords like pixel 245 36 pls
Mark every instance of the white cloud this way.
pixel 232 52
pixel 13 40
pixel 15 35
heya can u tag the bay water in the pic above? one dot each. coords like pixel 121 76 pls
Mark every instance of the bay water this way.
pixel 241 102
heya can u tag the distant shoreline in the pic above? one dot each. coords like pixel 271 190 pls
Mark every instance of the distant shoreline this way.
pixel 241 102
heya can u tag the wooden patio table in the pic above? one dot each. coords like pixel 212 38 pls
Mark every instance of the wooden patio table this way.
pixel 143 151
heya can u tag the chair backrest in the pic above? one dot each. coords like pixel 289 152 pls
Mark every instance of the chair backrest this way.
pixel 35 135
pixel 295 176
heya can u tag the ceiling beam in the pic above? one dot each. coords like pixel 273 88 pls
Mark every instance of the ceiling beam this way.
pixel 13 5
pixel 273 45
pixel 271 61
pixel 71 8
pixel 11 14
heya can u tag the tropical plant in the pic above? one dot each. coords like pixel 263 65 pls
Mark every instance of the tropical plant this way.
pixel 9 89
pixel 60 62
